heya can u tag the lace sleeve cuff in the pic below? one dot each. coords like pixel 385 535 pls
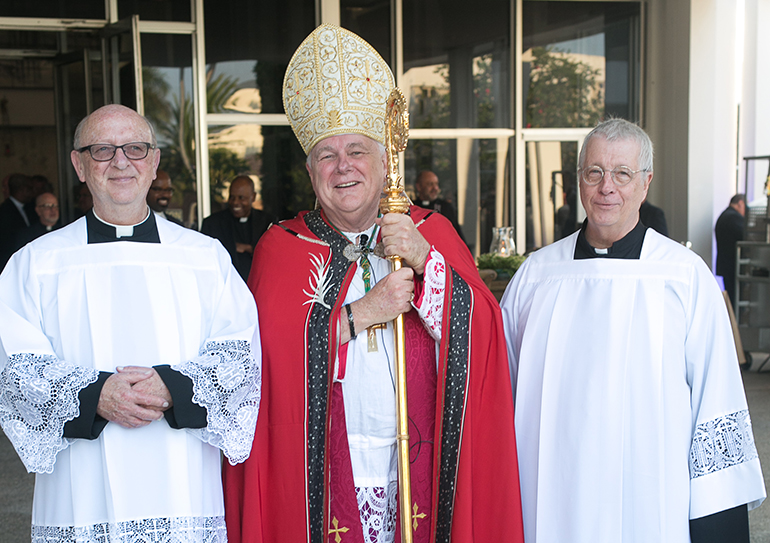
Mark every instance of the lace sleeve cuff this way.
pixel 227 382
pixel 430 306
pixel 39 396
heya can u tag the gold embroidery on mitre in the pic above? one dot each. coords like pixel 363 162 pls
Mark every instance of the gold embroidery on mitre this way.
pixel 335 119
pixel 336 83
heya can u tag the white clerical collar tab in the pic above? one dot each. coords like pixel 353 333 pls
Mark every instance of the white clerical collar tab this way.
pixel 244 219
pixel 123 230
pixel 601 251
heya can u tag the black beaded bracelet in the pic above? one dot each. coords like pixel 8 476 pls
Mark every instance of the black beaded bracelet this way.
pixel 350 321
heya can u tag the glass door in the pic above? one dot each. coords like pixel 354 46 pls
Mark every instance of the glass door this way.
pixel 122 63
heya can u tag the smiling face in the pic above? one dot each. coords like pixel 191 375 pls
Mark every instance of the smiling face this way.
pixel 241 197
pixel 427 186
pixel 348 175
pixel 612 211
pixel 118 186
pixel 160 193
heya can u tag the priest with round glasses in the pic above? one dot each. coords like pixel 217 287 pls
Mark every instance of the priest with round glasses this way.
pixel 129 358
pixel 631 419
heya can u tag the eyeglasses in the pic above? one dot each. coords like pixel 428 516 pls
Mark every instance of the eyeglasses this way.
pixel 621 176
pixel 159 189
pixel 49 206
pixel 103 152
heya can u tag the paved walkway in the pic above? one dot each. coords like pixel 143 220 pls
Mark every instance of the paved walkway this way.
pixel 16 484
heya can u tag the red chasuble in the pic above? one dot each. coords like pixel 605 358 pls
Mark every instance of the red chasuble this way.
pixel 297 485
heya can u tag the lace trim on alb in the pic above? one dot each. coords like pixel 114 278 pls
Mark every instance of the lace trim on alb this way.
pixel 377 507
pixel 721 443
pixel 153 530
pixel 38 395
pixel 431 309
pixel 227 382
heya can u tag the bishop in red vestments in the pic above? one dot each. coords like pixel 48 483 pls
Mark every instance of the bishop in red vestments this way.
pixel 321 468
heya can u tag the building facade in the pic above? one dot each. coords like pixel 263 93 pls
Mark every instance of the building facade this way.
pixel 501 93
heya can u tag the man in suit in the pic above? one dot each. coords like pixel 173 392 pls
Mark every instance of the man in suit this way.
pixel 159 196
pixel 729 231
pixel 13 219
pixel 240 226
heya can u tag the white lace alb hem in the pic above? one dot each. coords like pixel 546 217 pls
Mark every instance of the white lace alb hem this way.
pixel 377 507
pixel 38 396
pixel 227 381
pixel 152 530
pixel 431 308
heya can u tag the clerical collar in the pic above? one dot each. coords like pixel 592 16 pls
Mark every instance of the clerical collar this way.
pixel 629 247
pixel 100 231
pixel 243 219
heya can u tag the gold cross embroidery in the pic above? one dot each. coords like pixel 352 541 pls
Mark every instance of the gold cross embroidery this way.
pixel 415 516
pixel 336 531
pixel 369 77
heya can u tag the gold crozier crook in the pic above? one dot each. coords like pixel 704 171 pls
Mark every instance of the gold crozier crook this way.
pixel 395 200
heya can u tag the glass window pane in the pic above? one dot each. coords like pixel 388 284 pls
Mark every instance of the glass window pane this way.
pixel 581 62
pixel 370 19
pixel 57 9
pixel 552 191
pixel 22 39
pixel 155 10
pixel 271 156
pixel 168 103
pixel 472 175
pixel 457 63
pixel 248 46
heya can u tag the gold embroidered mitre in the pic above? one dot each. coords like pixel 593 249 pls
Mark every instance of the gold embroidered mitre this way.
pixel 336 83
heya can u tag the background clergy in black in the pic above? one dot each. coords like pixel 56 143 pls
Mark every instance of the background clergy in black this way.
pixel 240 226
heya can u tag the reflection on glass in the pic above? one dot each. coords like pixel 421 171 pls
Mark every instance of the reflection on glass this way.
pixel 457 63
pixel 472 174
pixel 580 62
pixel 248 46
pixel 82 9
pixel 551 191
pixel 271 156
pixel 168 104
pixel 370 19
pixel 153 10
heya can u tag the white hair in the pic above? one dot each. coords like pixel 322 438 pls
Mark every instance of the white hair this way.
pixel 620 129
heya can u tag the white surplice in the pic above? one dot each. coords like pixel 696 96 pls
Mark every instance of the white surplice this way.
pixel 631 417
pixel 71 309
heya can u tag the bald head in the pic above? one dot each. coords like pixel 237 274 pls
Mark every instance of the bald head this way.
pixel 103 114
pixel 242 196
pixel 119 184
pixel 426 186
